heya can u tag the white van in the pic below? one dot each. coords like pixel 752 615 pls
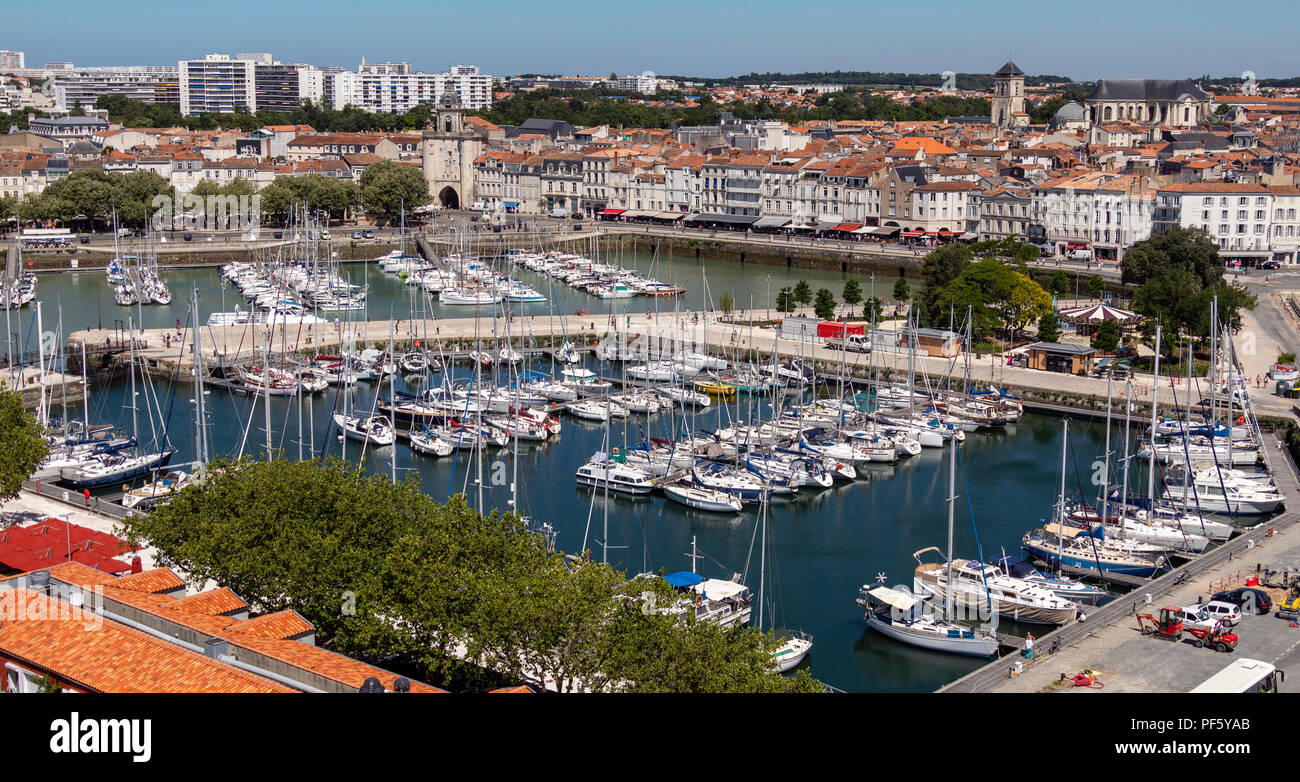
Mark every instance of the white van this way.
pixel 478 206
pixel 1227 613
pixel 852 343
pixel 1081 255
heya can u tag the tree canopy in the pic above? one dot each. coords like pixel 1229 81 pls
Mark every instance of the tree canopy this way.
pixel 1178 273
pixel 22 448
pixel 90 195
pixel 387 187
pixel 384 571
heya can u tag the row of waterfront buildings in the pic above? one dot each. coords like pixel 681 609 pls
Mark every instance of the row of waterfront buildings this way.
pixel 1077 183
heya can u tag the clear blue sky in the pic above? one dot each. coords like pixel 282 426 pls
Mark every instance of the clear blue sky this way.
pixel 1103 38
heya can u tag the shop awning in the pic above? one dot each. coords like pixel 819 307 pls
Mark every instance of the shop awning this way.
pixel 559 211
pixel 1077 246
pixel 638 213
pixel 913 233
pixel 772 222
pixel 668 215
pixel 892 230
pixel 510 203
pixel 865 229
pixel 802 227
pixel 847 227
pixel 721 218
pixel 827 225
pixel 612 211
pixel 968 237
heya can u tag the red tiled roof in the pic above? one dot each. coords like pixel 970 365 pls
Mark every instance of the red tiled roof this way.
pixel 112 657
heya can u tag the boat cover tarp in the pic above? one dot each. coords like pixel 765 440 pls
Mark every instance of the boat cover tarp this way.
pixel 683 578
pixel 900 600
pixel 717 589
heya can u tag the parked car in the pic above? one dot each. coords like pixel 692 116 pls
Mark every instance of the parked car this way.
pixel 356 234
pixel 84 239
pixel 1270 265
pixel 1228 613
pixel 369 234
pixel 188 237
pixel 1246 598
pixel 278 234
pixel 1197 616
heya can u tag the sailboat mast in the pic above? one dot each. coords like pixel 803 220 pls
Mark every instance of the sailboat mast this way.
pixel 1105 465
pixel 130 330
pixel 952 503
pixel 1155 395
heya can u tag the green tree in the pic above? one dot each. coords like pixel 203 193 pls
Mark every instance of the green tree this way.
pixel 803 292
pixel 852 292
pixel 387 186
pixel 940 268
pixel 726 303
pixel 22 448
pixel 873 306
pixel 1107 338
pixel 785 300
pixel 901 291
pixel 1049 328
pixel 825 306
pixel 1060 283
pixel 386 572
pixel 1187 249
pixel 1096 286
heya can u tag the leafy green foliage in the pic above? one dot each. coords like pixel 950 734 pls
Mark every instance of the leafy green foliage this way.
pixel 334 195
pixel 825 306
pixel 785 301
pixel 350 119
pixel 852 292
pixel 387 188
pixel 1178 273
pixel 91 194
pixel 1049 328
pixel 939 269
pixel 22 448
pixel 385 571
pixel 996 295
pixel 1060 283
pixel 727 303
pixel 1096 286
pixel 803 292
pixel 901 290
pixel 1107 338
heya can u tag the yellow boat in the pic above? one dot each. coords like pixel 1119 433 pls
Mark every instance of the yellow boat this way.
pixel 716 388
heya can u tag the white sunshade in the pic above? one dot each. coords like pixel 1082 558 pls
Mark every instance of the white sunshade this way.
pixel 900 600
pixel 717 589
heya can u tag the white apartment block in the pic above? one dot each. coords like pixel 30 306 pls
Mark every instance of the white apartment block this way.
pixel 217 83
pixel 11 60
pixel 1236 216
pixel 397 88
pixel 143 83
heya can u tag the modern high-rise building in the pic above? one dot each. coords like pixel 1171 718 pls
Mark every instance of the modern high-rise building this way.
pixel 217 83
pixel 11 60
pixel 396 87
pixel 144 83
pixel 278 87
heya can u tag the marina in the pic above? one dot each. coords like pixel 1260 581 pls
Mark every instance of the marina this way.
pixel 826 539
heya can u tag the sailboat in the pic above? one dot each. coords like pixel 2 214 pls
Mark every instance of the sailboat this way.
pixel 902 615
pixel 794 646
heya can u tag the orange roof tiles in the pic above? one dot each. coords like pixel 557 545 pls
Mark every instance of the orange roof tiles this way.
pixel 151 581
pixel 282 625
pixel 113 657
pixel 214 601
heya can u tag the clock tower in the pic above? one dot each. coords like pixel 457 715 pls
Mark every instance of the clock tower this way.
pixel 449 150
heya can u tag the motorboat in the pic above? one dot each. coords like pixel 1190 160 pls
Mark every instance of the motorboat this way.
pixel 603 472
pixel 374 430
pixel 156 492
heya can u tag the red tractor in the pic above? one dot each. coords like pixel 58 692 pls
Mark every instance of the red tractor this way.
pixel 1218 637
pixel 1168 625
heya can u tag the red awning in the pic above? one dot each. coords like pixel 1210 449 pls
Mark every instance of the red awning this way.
pixel 847 227
pixel 945 232
pixel 612 211
pixel 913 233
pixel 1077 246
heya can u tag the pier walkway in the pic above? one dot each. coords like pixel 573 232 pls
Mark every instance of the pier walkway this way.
pixel 1108 641
pixel 167 350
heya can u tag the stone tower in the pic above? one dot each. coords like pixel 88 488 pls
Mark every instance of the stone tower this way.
pixel 448 150
pixel 1008 96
